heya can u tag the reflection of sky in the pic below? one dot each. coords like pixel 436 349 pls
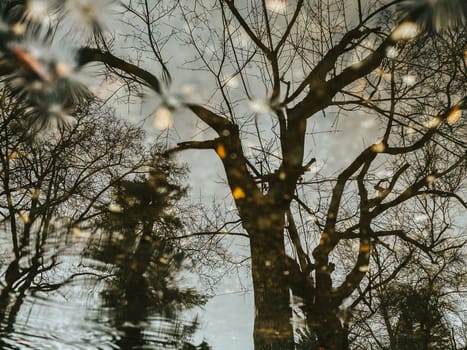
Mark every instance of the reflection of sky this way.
pixel 228 320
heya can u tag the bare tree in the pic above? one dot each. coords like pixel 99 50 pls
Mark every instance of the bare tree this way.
pixel 81 184
pixel 418 309
pixel 51 185
pixel 313 58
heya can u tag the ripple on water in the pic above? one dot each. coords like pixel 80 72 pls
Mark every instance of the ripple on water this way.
pixel 74 318
pixel 50 323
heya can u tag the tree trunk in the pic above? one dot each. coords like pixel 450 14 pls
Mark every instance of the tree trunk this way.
pixel 329 330
pixel 273 329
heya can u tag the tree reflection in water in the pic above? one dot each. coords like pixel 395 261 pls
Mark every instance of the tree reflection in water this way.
pixel 134 241
pixel 60 236
pixel 330 236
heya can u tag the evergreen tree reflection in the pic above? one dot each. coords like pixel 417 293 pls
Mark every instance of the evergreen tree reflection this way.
pixel 136 241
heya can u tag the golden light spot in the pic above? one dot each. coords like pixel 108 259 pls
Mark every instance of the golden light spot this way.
pixel 78 233
pixel 131 201
pixel 405 31
pixel 324 238
pixel 238 193
pixel 364 248
pixel 381 192
pixel 163 118
pixel 286 273
pixel 383 74
pixel 378 147
pixel 164 260
pixel 115 208
pixel 24 218
pixel 432 123
pixel 430 179
pixel 12 155
pixel 454 116
pixel 36 194
pixel 63 69
pixel 267 263
pixel 263 223
pixel 221 152
pixel 282 175
pixel 18 29
pixel 363 268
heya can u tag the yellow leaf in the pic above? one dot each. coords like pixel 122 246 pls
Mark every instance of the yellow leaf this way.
pixel 220 150
pixel 324 238
pixel 378 147
pixel 12 155
pixel 454 116
pixel 365 248
pixel 15 154
pixel 238 193
pixel 24 217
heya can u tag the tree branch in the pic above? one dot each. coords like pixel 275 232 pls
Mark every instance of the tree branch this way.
pixel 88 54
